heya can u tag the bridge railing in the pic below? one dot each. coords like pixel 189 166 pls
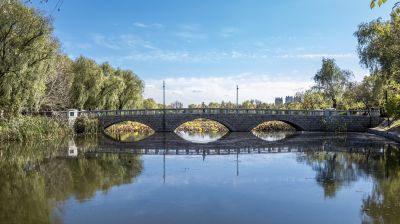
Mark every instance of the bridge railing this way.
pixel 99 113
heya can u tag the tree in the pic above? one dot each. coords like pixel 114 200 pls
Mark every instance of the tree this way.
pixel 131 96
pixel 331 80
pixel 380 2
pixel 379 46
pixel 314 100
pixel 368 92
pixel 379 51
pixel 87 83
pixel 150 103
pixel 393 100
pixel 214 105
pixel 176 105
pixel 26 47
pixel 58 85
pixel 111 89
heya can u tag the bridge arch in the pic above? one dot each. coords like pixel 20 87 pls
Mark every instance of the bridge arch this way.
pixel 295 125
pixel 192 118
pixel 112 122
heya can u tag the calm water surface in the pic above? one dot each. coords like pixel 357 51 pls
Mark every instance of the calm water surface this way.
pixel 237 178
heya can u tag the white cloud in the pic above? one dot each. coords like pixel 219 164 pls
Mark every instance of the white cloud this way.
pixel 190 33
pixel 228 31
pixel 186 56
pixel 190 36
pixel 215 89
pixel 140 25
pixel 317 56
pixel 105 42
pixel 144 25
pixel 122 42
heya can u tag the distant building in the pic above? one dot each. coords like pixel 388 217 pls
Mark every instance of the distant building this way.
pixel 289 99
pixel 278 101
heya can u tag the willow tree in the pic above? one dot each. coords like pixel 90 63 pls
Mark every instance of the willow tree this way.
pixel 331 80
pixel 131 95
pixel 58 85
pixel 379 51
pixel 27 45
pixel 150 103
pixel 87 84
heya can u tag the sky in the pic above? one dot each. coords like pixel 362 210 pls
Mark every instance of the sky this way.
pixel 203 49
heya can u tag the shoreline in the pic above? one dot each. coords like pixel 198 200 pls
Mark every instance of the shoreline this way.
pixel 389 135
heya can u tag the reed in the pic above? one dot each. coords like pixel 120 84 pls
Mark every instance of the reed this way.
pixel 25 128
pixel 129 127
pixel 274 126
pixel 87 125
pixel 202 126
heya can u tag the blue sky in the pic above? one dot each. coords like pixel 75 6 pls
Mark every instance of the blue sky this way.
pixel 204 48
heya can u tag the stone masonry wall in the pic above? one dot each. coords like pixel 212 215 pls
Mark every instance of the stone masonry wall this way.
pixel 246 122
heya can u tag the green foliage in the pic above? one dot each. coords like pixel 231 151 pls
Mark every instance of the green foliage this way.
pixel 393 103
pixel 26 127
pixel 331 80
pixel 58 85
pixel 87 125
pixel 35 76
pixel 88 80
pixel 150 104
pixel 202 126
pixel 27 49
pixel 379 46
pixel 379 51
pixel 380 2
pixel 273 126
pixel 36 180
pixel 131 95
pixel 363 95
pixel 314 100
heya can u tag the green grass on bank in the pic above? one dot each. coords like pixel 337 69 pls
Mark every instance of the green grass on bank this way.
pixel 25 128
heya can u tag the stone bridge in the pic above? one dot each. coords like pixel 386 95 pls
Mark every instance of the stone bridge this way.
pixel 242 120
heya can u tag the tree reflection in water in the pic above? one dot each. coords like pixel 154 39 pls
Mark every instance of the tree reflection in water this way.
pixel 337 169
pixel 383 205
pixel 35 181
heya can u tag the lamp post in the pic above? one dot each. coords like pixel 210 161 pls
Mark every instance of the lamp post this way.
pixel 164 106
pixel 237 98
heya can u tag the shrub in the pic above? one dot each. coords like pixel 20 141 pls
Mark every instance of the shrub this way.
pixel 86 125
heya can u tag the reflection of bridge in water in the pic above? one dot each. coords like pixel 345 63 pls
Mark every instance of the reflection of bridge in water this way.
pixel 242 143
pixel 170 144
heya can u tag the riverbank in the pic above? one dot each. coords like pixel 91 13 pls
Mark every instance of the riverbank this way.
pixel 391 132
pixel 25 128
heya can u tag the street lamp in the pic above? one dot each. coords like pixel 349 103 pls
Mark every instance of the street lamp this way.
pixel 164 106
pixel 237 96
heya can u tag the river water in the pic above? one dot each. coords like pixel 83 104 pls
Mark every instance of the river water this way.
pixel 189 178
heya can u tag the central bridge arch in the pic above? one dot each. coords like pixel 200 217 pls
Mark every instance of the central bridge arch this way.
pixel 296 126
pixel 184 120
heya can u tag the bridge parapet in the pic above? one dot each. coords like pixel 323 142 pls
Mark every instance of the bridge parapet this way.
pixel 196 111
